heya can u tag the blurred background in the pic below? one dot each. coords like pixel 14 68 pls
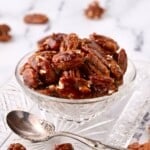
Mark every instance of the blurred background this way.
pixel 125 21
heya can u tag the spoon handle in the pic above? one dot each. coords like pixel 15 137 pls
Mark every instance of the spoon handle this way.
pixel 95 145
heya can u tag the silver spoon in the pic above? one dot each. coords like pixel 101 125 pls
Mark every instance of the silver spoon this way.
pixel 30 127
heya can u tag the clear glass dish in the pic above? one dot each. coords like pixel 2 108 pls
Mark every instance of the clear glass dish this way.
pixel 81 109
pixel 112 127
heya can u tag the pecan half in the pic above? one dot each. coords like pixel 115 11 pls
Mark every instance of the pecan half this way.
pixel 43 67
pixel 71 86
pixel 30 77
pixel 122 60
pixel 94 49
pixel 16 146
pixel 64 146
pixel 115 69
pixel 102 85
pixel 93 59
pixel 52 42
pixel 36 19
pixel 68 60
pixel 110 46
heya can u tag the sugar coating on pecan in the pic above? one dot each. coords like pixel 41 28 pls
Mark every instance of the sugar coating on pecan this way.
pixel 94 10
pixel 70 67
pixel 4 33
pixel 68 59
pixel 108 44
pixel 64 146
pixel 51 42
pixel 16 146
pixel 70 42
pixel 138 146
pixel 36 18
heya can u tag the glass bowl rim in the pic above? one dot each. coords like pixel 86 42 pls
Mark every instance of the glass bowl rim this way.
pixel 63 100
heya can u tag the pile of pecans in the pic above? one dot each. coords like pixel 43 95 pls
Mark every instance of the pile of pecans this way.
pixel 4 33
pixel 94 10
pixel 138 146
pixel 70 67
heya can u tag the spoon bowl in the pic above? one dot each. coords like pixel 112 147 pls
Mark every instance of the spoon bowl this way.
pixel 29 126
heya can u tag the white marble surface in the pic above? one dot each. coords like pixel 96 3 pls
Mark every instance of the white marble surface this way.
pixel 126 21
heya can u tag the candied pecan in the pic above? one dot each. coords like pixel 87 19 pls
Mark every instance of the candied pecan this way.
pixel 138 146
pixel 115 69
pixel 81 84
pixel 5 37
pixel 89 69
pixel 70 42
pixel 122 60
pixel 35 60
pixel 146 146
pixel 64 146
pixel 108 44
pixel 52 42
pixel 118 82
pixel 43 67
pixel 102 85
pixel 4 33
pixel 94 49
pixel 30 77
pixel 93 59
pixel 47 73
pixel 25 66
pixel 66 88
pixel 36 19
pixel 16 146
pixel 134 146
pixel 90 46
pixel 71 86
pixel 68 60
pixel 94 10
pixel 5 27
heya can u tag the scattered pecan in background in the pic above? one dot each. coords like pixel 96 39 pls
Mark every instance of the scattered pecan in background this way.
pixel 65 146
pixel 94 10
pixel 138 146
pixel 36 19
pixel 4 33
pixel 16 146
pixel 68 66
